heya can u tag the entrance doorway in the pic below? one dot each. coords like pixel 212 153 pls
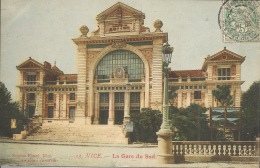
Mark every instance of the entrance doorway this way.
pixel 103 116
pixel 50 111
pixel 31 111
pixel 119 117
pixel 71 113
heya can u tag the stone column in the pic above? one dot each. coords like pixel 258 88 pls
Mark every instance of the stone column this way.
pixel 95 121
pixel 127 107
pixel 142 100
pixel 111 109
pixel 179 99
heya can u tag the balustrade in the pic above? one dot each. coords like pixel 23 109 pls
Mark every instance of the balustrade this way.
pixel 214 148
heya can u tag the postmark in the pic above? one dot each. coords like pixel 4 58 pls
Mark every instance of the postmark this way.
pixel 239 20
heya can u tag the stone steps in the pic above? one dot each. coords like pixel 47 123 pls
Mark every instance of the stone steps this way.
pixel 89 133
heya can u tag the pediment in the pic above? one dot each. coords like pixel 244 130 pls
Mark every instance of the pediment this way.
pixel 118 10
pixel 225 55
pixel 30 64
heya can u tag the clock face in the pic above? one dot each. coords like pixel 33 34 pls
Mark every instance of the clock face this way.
pixel 119 71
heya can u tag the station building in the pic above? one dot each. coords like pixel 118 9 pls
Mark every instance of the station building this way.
pixel 119 71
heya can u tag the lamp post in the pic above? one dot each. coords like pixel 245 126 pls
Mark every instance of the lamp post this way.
pixel 165 155
pixel 127 101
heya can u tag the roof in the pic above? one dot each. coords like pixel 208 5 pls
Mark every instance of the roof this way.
pixel 116 6
pixel 68 77
pixel 187 73
pixel 56 69
pixel 223 56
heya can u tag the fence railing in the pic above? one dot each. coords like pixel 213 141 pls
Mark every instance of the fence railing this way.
pixel 216 149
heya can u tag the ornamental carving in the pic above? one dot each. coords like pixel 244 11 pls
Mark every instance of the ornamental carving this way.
pixel 119 43
pixel 84 31
pixel 158 25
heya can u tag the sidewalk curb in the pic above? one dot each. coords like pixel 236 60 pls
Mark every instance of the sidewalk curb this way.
pixel 36 142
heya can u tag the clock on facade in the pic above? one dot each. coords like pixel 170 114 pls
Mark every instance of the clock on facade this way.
pixel 119 71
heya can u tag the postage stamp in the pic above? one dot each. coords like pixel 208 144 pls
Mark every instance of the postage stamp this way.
pixel 239 20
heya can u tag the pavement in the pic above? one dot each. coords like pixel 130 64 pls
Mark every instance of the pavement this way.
pixel 24 153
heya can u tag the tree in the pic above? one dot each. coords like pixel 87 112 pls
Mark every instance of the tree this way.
pixel 191 123
pixel 146 124
pixel 222 94
pixel 9 110
pixel 250 106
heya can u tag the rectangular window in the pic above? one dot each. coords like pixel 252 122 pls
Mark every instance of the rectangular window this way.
pixel 119 97
pixel 223 73
pixel 104 97
pixel 135 97
pixel 31 96
pixel 31 79
pixel 50 96
pixel 72 96
pixel 197 94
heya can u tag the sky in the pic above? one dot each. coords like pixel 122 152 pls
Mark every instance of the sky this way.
pixel 44 29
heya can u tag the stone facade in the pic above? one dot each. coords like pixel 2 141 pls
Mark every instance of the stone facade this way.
pixel 195 86
pixel 119 71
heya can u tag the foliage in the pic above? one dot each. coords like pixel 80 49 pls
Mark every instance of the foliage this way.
pixel 191 123
pixel 146 124
pixel 218 135
pixel 222 94
pixel 250 106
pixel 9 110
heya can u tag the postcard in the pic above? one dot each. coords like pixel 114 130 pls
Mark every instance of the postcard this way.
pixel 128 83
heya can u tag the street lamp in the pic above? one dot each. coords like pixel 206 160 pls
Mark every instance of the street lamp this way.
pixel 165 155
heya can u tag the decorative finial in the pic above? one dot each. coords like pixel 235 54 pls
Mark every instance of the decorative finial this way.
pixel 158 25
pixel 225 48
pixel 30 57
pixel 54 63
pixel 84 31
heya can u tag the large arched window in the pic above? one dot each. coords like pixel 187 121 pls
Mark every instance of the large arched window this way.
pixel 131 62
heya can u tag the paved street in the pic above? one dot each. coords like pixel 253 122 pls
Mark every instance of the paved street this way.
pixel 80 154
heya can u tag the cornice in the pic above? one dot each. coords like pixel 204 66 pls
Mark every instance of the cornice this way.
pixel 126 38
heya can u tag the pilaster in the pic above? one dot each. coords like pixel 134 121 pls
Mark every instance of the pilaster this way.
pixel 179 99
pixel 81 85
pixel 157 72
pixel 210 98
pixel 238 72
pixel 96 108
pixel 237 96
pixel 64 104
pixel 142 96
pixel 188 100
pixel 57 107
pixel 210 72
